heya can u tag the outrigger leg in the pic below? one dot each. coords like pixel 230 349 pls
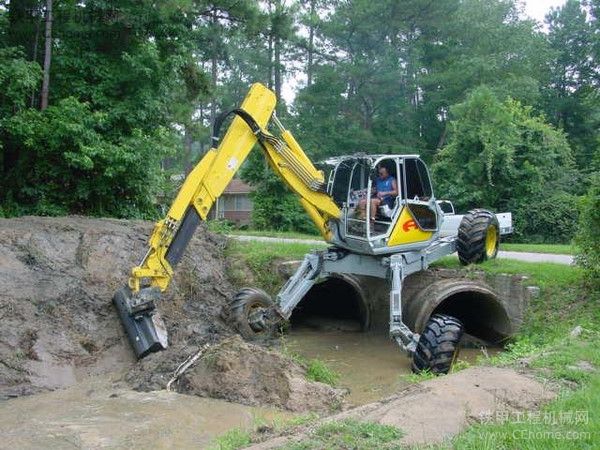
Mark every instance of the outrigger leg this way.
pixel 398 329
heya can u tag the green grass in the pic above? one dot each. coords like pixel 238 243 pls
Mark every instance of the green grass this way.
pixel 278 234
pixel 559 249
pixel 237 438
pixel 540 274
pixel 261 259
pixel 316 369
pixel 232 440
pixel 349 434
pixel 418 377
pixel 319 371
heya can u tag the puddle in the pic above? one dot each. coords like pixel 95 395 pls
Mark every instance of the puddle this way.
pixel 370 365
pixel 95 414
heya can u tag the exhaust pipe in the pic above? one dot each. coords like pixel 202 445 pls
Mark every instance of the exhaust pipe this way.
pixel 142 322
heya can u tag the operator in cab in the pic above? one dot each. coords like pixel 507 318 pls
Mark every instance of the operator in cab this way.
pixel 385 193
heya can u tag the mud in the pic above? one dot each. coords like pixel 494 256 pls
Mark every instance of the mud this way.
pixel 57 278
pixel 235 366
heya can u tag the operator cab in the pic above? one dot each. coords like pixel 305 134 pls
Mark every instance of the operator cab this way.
pixel 386 200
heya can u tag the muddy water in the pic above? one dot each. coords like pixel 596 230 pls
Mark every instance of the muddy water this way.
pixel 98 413
pixel 369 364
pixel 94 414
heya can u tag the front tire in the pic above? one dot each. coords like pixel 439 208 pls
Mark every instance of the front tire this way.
pixel 478 237
pixel 438 347
pixel 249 314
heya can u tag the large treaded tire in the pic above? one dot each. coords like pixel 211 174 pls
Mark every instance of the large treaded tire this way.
pixel 437 348
pixel 478 237
pixel 245 302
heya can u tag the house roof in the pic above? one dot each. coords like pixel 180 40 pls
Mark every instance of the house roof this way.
pixel 237 186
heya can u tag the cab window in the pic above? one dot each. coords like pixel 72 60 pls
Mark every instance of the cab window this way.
pixel 418 185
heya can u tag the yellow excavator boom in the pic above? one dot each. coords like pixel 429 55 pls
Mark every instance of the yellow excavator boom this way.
pixel 202 187
pixel 207 181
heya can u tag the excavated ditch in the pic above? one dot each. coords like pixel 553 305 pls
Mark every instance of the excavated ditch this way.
pixel 59 327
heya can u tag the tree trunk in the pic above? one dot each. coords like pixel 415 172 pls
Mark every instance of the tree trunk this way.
pixel 35 56
pixel 311 43
pixel 187 140
pixel 47 56
pixel 213 70
pixel 270 47
pixel 277 64
pixel 442 139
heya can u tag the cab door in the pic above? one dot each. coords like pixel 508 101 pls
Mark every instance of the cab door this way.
pixel 418 220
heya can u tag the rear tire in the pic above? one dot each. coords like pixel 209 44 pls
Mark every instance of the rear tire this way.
pixel 437 348
pixel 247 303
pixel 478 237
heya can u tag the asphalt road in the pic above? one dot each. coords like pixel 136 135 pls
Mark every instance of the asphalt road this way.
pixel 519 256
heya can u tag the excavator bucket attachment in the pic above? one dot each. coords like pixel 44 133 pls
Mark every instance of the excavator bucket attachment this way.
pixel 144 326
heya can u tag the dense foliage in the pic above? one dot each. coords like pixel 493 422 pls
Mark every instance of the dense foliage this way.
pixel 503 157
pixel 506 112
pixel 588 237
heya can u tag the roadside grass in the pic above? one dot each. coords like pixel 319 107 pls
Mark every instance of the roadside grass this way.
pixel 278 234
pixel 264 252
pixel 559 249
pixel 543 275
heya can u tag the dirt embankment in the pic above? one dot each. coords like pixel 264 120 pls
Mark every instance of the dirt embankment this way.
pixel 57 279
pixel 433 411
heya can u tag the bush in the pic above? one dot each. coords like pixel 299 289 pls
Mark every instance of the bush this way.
pixel 588 235
pixel 220 226
pixel 502 156
pixel 276 208
pixel 546 220
pixel 66 164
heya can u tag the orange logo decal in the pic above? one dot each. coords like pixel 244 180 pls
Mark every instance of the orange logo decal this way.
pixel 406 226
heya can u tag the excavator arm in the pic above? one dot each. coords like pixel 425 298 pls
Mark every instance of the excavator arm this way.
pixel 202 187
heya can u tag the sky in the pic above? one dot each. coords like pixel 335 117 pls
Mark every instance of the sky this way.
pixel 537 9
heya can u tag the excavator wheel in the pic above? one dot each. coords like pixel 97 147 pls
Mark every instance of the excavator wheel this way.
pixel 249 313
pixel 437 348
pixel 478 237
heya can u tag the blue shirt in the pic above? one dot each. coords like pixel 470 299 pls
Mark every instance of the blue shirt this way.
pixel 385 185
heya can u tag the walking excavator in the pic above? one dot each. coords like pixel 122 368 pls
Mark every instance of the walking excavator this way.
pixel 389 239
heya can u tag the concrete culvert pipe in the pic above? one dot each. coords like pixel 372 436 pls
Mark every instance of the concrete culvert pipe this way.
pixel 481 311
pixel 338 298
